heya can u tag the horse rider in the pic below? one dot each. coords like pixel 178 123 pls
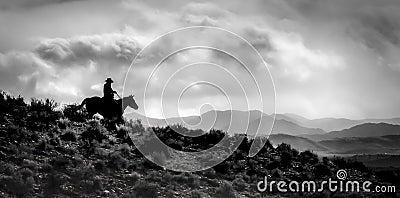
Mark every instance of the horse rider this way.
pixel 109 93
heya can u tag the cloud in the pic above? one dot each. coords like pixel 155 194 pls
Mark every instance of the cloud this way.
pixel 6 5
pixel 67 69
pixel 116 48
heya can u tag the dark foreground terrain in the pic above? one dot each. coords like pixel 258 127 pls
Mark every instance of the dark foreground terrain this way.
pixel 62 153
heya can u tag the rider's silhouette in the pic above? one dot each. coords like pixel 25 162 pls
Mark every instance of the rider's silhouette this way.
pixel 109 92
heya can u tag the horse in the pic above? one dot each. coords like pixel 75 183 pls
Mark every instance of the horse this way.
pixel 96 104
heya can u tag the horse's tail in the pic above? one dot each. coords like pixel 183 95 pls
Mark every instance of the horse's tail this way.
pixel 83 103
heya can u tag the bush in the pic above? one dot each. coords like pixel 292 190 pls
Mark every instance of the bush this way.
pixel 276 173
pixel 75 113
pixel 145 189
pixel 95 131
pixel 60 162
pixel 132 177
pixel 239 183
pixel 53 184
pixel 20 183
pixel 135 126
pixel 222 168
pixel 42 114
pixel 184 179
pixel 197 194
pixel 69 136
pixel 322 170
pixel 308 157
pixel 16 133
pixel 284 148
pixel 100 165
pixel 286 159
pixel 116 161
pixel 225 190
pixel 12 109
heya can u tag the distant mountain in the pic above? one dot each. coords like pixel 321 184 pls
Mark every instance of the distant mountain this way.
pixel 334 124
pixel 280 127
pixel 365 138
pixel 234 122
pixel 362 130
pixel 354 145
pixel 367 130
pixel 299 120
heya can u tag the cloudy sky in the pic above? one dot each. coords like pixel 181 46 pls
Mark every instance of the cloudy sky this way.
pixel 337 58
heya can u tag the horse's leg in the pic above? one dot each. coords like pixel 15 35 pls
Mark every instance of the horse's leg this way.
pixel 120 119
pixel 91 114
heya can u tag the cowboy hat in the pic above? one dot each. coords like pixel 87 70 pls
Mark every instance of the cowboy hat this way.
pixel 109 80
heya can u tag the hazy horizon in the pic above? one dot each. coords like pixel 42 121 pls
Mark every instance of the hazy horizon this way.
pixel 199 114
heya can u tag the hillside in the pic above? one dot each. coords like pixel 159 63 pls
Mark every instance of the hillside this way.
pixel 378 161
pixel 46 152
pixel 364 145
pixel 298 143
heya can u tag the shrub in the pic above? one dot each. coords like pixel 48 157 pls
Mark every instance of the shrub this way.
pixel 308 157
pixel 135 126
pixel 63 123
pixel 53 183
pixel 286 158
pixel 185 178
pixel 322 170
pixel 42 114
pixel 284 148
pixel 272 165
pixel 12 109
pixel 339 162
pixel 7 169
pixel 222 168
pixel 209 173
pixel 91 185
pixel 16 133
pixel 95 131
pixel 239 183
pixel 116 161
pixel 100 165
pixel 26 163
pixel 225 190
pixel 60 162
pixel 20 183
pixel 276 173
pixel 197 194
pixel 357 165
pixel 69 136
pixel 132 177
pixel 75 113
pixel 145 189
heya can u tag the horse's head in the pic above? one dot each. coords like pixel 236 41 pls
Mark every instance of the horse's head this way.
pixel 130 101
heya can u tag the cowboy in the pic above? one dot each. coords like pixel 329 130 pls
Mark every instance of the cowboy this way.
pixel 109 92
